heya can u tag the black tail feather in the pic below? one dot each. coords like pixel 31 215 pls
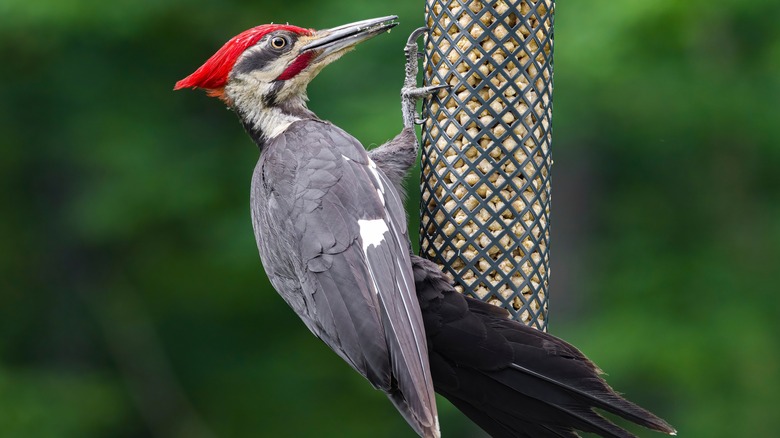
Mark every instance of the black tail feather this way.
pixel 512 380
pixel 604 397
pixel 500 424
pixel 525 404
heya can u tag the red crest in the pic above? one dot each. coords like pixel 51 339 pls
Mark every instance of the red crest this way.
pixel 213 74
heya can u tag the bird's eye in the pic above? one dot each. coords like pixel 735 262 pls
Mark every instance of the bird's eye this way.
pixel 278 43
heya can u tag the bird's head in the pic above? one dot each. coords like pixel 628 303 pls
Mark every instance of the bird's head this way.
pixel 273 63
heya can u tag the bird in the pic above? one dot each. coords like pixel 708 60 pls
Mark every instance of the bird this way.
pixel 331 230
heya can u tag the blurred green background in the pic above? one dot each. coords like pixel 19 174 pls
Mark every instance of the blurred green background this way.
pixel 132 301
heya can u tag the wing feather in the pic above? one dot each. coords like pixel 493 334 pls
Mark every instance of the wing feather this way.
pixel 356 274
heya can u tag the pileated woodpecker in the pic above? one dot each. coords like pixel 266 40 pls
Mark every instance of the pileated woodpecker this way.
pixel 331 230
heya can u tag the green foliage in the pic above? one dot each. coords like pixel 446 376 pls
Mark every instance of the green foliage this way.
pixel 132 302
pixel 48 403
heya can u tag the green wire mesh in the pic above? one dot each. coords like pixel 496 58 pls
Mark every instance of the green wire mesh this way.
pixel 485 204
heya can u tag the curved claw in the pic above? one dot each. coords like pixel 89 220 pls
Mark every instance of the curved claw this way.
pixel 420 92
pixel 417 33
pixel 434 88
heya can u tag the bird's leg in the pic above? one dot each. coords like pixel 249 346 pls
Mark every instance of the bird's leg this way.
pixel 411 93
pixel 398 155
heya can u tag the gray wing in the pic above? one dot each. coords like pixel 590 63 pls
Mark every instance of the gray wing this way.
pixel 355 270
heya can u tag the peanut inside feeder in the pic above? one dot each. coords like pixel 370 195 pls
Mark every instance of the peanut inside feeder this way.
pixel 486 150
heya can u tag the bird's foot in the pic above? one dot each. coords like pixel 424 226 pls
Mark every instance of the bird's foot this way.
pixel 411 93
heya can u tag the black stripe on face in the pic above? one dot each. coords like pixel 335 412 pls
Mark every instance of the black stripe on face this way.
pixel 264 57
pixel 257 135
pixel 269 98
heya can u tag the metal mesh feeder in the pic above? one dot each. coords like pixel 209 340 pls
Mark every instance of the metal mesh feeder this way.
pixel 485 202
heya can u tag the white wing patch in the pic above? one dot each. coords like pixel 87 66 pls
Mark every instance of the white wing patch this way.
pixel 372 232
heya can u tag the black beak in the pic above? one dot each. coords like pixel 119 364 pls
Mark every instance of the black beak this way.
pixel 347 36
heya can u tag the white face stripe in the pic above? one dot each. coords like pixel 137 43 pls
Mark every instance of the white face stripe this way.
pixel 271 121
pixel 274 65
pixel 247 94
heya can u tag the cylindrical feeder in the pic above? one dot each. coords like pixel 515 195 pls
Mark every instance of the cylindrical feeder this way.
pixel 485 202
